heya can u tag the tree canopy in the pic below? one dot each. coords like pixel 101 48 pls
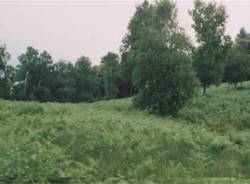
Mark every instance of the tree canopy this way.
pixel 237 67
pixel 5 72
pixel 159 49
pixel 209 57
pixel 157 64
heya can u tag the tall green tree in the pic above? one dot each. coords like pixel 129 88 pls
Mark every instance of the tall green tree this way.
pixel 83 79
pixel 34 74
pixel 237 67
pixel 4 73
pixel 126 86
pixel 140 22
pixel 209 57
pixel 110 71
pixel 63 82
pixel 98 79
pixel 10 73
pixel 243 41
pixel 162 74
pixel 44 70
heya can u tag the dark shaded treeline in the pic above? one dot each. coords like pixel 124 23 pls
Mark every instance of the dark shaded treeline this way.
pixel 36 77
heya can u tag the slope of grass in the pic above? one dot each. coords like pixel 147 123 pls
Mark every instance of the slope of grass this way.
pixel 110 142
pixel 222 108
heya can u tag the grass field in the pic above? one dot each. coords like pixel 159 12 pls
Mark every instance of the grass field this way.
pixel 111 142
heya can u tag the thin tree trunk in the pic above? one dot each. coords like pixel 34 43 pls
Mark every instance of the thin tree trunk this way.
pixel 204 89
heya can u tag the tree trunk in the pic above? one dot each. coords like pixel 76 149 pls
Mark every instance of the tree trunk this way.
pixel 204 89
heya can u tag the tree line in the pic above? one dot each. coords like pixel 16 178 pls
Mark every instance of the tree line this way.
pixel 36 77
pixel 158 64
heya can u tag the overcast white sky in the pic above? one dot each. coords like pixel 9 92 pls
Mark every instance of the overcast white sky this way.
pixel 69 30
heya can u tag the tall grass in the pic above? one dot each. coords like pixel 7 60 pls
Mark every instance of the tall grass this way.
pixel 110 142
pixel 222 107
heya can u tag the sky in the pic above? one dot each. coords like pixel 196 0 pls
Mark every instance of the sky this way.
pixel 70 29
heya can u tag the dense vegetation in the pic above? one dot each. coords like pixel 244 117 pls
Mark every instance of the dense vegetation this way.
pixel 162 73
pixel 209 56
pixel 199 137
pixel 237 66
pixel 158 63
pixel 111 142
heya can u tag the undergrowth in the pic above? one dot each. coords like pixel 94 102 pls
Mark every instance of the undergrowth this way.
pixel 111 142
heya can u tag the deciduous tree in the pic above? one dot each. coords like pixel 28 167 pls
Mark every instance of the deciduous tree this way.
pixel 110 71
pixel 4 73
pixel 237 67
pixel 162 74
pixel 209 57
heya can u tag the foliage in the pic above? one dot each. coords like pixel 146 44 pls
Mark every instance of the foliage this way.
pixel 37 78
pixel 34 72
pixel 221 108
pixel 127 88
pixel 111 142
pixel 138 24
pixel 63 82
pixel 155 63
pixel 83 76
pixel 162 72
pixel 6 78
pixel 207 141
pixel 209 25
pixel 237 68
pixel 110 71
pixel 165 81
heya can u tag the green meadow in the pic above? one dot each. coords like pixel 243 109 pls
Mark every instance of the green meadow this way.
pixel 111 142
